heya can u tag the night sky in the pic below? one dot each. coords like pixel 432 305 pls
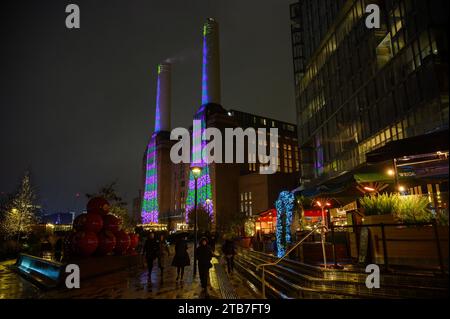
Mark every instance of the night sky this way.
pixel 77 106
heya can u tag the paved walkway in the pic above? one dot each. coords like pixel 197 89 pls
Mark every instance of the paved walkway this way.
pixel 132 284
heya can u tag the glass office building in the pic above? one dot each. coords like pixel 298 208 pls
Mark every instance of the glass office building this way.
pixel 358 88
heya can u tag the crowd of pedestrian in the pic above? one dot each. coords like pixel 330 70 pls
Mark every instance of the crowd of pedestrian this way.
pixel 156 248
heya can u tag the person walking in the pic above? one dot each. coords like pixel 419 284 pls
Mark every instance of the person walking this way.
pixel 229 251
pixel 212 243
pixel 163 254
pixel 46 247
pixel 181 258
pixel 59 249
pixel 150 252
pixel 204 256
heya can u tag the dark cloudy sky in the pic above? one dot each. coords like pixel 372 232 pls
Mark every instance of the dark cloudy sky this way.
pixel 77 106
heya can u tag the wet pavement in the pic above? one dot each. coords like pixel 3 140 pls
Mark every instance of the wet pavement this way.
pixel 131 283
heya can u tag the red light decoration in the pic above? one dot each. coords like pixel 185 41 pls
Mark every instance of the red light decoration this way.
pixel 84 243
pixel 106 243
pixel 111 223
pixel 79 222
pixel 134 240
pixel 98 205
pixel 94 223
pixel 313 213
pixel 122 242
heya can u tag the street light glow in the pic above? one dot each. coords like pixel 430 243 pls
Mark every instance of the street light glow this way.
pixel 196 171
pixel 320 204
pixel 391 172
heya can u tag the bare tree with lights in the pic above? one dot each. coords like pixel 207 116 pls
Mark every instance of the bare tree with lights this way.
pixel 19 213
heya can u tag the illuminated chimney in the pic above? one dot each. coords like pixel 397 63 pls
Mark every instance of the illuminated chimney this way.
pixel 163 98
pixel 211 63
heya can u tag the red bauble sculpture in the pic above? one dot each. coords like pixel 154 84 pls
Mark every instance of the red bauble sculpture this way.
pixel 84 243
pixel 79 222
pixel 98 205
pixel 134 240
pixel 94 223
pixel 106 243
pixel 122 242
pixel 111 223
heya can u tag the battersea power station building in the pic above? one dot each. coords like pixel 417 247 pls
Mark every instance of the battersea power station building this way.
pixel 223 189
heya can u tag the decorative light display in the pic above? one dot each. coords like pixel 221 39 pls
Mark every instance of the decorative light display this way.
pixel 205 97
pixel 150 207
pixel 204 189
pixel 285 208
pixel 158 106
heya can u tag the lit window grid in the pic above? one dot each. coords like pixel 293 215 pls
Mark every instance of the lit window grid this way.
pixel 246 203
pixel 416 51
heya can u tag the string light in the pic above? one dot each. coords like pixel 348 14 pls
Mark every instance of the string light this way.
pixel 204 188
pixel 285 209
pixel 150 209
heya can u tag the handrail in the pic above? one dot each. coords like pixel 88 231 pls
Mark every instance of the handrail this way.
pixel 319 225
pixel 315 228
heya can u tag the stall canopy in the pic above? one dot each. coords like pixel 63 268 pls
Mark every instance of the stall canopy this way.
pixel 347 181
pixel 379 160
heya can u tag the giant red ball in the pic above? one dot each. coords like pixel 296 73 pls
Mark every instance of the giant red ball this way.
pixel 98 205
pixel 122 242
pixel 79 222
pixel 106 243
pixel 134 240
pixel 94 223
pixel 111 223
pixel 84 243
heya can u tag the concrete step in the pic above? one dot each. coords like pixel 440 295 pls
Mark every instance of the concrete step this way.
pixel 296 279
pixel 412 278
pixel 279 288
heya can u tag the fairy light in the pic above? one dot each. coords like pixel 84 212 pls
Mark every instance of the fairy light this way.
pixel 285 209
pixel 150 209
pixel 204 187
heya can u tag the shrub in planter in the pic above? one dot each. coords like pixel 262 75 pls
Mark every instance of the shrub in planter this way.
pixel 382 204
pixel 413 209
pixel 405 209
pixel 442 218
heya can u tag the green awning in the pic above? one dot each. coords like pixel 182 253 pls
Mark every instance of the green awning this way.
pixel 372 178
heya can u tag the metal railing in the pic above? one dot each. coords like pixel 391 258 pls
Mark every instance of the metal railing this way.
pixel 263 266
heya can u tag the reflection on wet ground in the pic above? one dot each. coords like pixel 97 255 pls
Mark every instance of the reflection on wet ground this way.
pixel 131 283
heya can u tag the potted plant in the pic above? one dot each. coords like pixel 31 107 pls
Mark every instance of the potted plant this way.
pixel 379 208
pixel 249 232
pixel 408 243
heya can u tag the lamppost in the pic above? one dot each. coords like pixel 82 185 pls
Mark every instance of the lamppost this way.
pixel 196 172
pixel 324 227
pixel 208 203
pixel 15 211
